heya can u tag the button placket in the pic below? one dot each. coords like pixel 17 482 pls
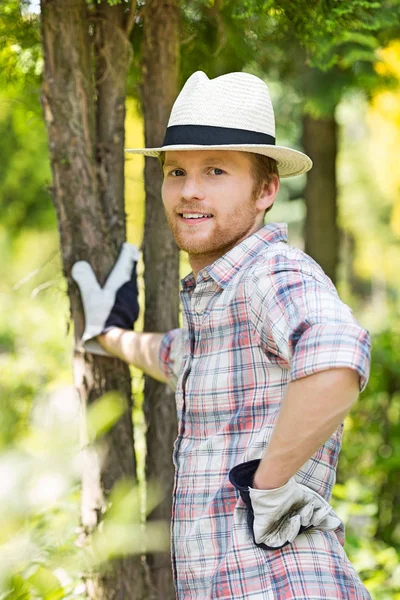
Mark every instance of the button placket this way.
pixel 196 299
pixel 198 308
pixel 187 299
pixel 202 299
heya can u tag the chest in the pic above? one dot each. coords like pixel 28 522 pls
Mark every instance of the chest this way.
pixel 218 331
pixel 224 373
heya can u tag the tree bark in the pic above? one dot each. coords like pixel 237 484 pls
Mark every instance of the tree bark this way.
pixel 84 114
pixel 321 229
pixel 160 81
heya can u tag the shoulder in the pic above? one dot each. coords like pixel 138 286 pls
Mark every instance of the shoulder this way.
pixel 279 263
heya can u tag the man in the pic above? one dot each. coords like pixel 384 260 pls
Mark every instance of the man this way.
pixel 265 367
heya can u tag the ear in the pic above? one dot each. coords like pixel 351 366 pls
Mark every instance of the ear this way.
pixel 268 193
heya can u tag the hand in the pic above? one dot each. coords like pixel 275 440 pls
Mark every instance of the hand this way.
pixel 114 305
pixel 277 516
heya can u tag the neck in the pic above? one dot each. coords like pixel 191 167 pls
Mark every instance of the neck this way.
pixel 199 261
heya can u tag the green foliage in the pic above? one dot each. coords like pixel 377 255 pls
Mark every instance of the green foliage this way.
pixel 377 562
pixel 42 549
pixel 25 172
pixel 223 36
pixel 34 353
pixel 321 49
pixel 20 44
pixel 376 417
pixel 367 492
pixel 102 416
pixel 214 38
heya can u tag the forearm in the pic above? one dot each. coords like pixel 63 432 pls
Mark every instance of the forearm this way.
pixel 139 349
pixel 311 411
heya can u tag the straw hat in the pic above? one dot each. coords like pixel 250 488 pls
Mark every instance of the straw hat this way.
pixel 231 112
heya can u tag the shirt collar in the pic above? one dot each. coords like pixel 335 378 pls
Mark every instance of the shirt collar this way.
pixel 226 267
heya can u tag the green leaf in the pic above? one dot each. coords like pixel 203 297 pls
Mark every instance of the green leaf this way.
pixel 104 413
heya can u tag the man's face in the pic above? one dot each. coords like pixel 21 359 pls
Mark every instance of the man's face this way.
pixel 217 184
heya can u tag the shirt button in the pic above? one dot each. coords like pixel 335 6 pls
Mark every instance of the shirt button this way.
pixel 199 310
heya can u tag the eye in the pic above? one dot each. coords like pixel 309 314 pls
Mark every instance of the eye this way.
pixel 176 173
pixel 217 171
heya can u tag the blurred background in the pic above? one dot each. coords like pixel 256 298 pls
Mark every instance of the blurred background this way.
pixel 350 85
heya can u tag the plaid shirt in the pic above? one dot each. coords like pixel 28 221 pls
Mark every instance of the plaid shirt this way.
pixel 260 316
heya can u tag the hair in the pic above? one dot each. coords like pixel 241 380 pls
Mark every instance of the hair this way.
pixel 262 168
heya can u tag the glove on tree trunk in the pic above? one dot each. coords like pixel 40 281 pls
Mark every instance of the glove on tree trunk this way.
pixel 84 114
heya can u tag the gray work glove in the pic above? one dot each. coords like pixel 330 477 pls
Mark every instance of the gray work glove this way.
pixel 115 304
pixel 277 516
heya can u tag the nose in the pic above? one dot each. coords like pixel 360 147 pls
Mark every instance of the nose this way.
pixel 192 188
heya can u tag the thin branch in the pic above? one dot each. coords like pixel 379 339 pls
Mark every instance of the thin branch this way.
pixel 215 12
pixel 130 20
pixel 35 272
pixel 43 286
pixel 189 39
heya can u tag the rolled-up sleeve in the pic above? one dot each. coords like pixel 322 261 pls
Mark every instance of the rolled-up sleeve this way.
pixel 170 356
pixel 300 320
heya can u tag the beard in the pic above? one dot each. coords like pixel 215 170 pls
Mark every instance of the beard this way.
pixel 234 227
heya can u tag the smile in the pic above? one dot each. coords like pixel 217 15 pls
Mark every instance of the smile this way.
pixel 194 218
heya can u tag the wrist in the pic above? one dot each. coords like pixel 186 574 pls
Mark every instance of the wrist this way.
pixel 106 335
pixel 262 482
pixel 101 339
pixel 110 339
pixel 270 474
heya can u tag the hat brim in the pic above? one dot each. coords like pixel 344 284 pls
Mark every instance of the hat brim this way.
pixel 290 162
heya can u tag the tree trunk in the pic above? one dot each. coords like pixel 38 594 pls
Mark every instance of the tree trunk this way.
pixel 321 229
pixel 84 116
pixel 160 81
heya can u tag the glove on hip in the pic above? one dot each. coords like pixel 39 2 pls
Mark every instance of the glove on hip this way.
pixel 275 517
pixel 115 304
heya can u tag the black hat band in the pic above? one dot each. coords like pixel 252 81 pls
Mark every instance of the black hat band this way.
pixel 207 135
